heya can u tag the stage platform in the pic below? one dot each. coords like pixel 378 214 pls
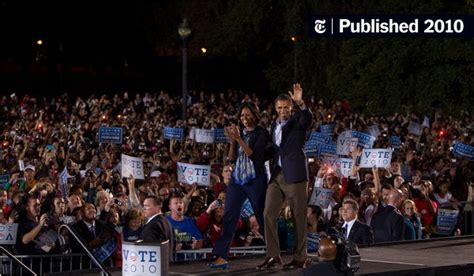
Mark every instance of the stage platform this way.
pixel 447 256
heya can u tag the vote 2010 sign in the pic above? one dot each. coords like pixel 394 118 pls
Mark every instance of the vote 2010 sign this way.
pixel 141 260
pixel 8 233
pixel 379 158
pixel 190 173
pixel 132 166
pixel 342 166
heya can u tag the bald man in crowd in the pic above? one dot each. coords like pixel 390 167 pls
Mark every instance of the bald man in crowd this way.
pixel 326 266
pixel 387 223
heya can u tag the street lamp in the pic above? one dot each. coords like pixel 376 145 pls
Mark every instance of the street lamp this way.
pixel 294 40
pixel 184 32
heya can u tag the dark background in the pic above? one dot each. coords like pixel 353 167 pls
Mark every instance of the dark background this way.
pixel 111 46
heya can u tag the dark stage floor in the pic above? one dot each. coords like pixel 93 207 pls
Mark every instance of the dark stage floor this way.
pixel 453 256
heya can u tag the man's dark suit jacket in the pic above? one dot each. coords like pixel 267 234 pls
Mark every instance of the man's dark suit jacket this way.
pixel 85 234
pixel 293 136
pixel 361 234
pixel 387 224
pixel 157 230
pixel 325 268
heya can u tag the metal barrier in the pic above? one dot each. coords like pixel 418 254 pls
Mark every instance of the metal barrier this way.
pixel 206 253
pixel 43 264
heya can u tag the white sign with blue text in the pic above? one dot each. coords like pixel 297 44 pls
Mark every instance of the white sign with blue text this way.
pixel 132 166
pixel 191 173
pixel 141 260
pixel 379 158
pixel 8 233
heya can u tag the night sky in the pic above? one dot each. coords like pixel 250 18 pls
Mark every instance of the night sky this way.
pixel 83 27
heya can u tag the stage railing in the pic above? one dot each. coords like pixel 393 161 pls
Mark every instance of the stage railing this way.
pixel 206 253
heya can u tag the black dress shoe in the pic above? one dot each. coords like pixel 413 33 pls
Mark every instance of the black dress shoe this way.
pixel 270 262
pixel 295 264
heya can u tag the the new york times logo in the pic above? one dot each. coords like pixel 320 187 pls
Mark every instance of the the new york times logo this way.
pixel 320 26
pixel 392 26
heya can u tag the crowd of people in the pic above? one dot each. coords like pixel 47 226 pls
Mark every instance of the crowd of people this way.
pixel 45 138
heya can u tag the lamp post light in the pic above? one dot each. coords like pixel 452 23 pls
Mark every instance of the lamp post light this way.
pixel 294 40
pixel 184 32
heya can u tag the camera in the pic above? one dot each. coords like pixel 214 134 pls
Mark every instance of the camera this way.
pixel 219 202
pixel 118 202
pixel 347 257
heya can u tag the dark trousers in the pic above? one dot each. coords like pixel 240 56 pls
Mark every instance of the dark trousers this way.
pixel 236 195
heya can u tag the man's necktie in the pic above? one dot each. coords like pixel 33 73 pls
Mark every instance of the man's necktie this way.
pixel 344 231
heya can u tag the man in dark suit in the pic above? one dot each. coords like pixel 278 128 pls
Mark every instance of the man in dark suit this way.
pixel 289 177
pixel 387 223
pixel 157 228
pixel 93 232
pixel 354 230
pixel 326 266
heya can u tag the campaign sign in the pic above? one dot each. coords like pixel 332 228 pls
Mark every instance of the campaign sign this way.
pixel 345 143
pixel 173 133
pixel 376 157
pixel 342 166
pixel 464 151
pixel 415 128
pixel 311 149
pixel 190 174
pixel 364 140
pixel 321 197
pixel 204 136
pixel 374 130
pixel 132 166
pixel 63 187
pixel 446 221
pixel 395 142
pixel 328 129
pixel 4 179
pixel 110 135
pixel 318 137
pixel 426 122
pixel 219 136
pixel 325 149
pixel 140 259
pixel 8 233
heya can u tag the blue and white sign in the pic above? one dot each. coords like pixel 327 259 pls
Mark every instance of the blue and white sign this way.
pixel 204 136
pixel 311 149
pixel 110 135
pixel 379 158
pixel 374 130
pixel 141 260
pixel 342 166
pixel 345 143
pixel 415 128
pixel 191 173
pixel 395 142
pixel 328 129
pixel 426 122
pixel 446 221
pixel 364 140
pixel 219 136
pixel 464 151
pixel 325 149
pixel 321 197
pixel 173 133
pixel 63 187
pixel 132 166
pixel 8 233
pixel 4 179
pixel 320 138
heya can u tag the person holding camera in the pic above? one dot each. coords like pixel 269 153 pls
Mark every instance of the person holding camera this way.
pixel 249 179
